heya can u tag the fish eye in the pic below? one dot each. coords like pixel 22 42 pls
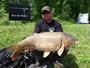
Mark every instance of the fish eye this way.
pixel 72 39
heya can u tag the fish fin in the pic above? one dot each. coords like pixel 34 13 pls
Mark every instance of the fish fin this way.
pixel 60 51
pixel 45 54
pixel 26 50
pixel 14 58
pixel 15 54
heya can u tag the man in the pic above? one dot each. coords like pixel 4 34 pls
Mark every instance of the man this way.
pixel 48 25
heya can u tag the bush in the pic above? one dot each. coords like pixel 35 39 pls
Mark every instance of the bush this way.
pixel 65 12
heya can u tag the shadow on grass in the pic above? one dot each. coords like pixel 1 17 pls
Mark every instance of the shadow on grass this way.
pixel 69 61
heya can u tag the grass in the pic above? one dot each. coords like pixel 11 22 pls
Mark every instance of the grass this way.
pixel 78 55
pixel 81 52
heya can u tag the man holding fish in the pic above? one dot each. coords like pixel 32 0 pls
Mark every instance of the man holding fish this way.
pixel 48 25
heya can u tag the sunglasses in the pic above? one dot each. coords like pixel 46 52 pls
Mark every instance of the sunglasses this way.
pixel 45 12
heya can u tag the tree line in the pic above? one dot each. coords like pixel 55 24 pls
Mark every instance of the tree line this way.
pixel 63 9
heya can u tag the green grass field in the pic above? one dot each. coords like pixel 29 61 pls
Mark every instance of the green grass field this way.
pixel 78 55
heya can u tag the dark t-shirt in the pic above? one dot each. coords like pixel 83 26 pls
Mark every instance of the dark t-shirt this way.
pixel 43 26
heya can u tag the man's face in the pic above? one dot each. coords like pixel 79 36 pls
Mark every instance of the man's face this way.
pixel 46 15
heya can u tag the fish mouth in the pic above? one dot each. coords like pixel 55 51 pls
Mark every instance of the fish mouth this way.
pixel 76 41
pixel 66 47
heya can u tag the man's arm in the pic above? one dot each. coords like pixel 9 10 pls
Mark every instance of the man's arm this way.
pixel 37 28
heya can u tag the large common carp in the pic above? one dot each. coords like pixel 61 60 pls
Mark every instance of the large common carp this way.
pixel 47 42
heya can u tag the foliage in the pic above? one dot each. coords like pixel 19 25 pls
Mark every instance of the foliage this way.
pixel 66 11
pixel 83 7
pixel 89 9
pixel 61 8
pixel 2 11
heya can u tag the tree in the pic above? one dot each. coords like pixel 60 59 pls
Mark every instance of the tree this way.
pixel 60 8
pixel 65 11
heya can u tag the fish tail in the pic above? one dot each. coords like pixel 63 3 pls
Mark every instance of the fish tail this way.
pixel 15 54
pixel 15 50
pixel 11 48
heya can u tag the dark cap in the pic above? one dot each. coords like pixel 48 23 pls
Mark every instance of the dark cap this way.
pixel 46 8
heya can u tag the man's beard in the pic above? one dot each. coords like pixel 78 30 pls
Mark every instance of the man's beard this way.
pixel 48 19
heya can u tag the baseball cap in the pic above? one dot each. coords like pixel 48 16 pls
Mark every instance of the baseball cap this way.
pixel 46 8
